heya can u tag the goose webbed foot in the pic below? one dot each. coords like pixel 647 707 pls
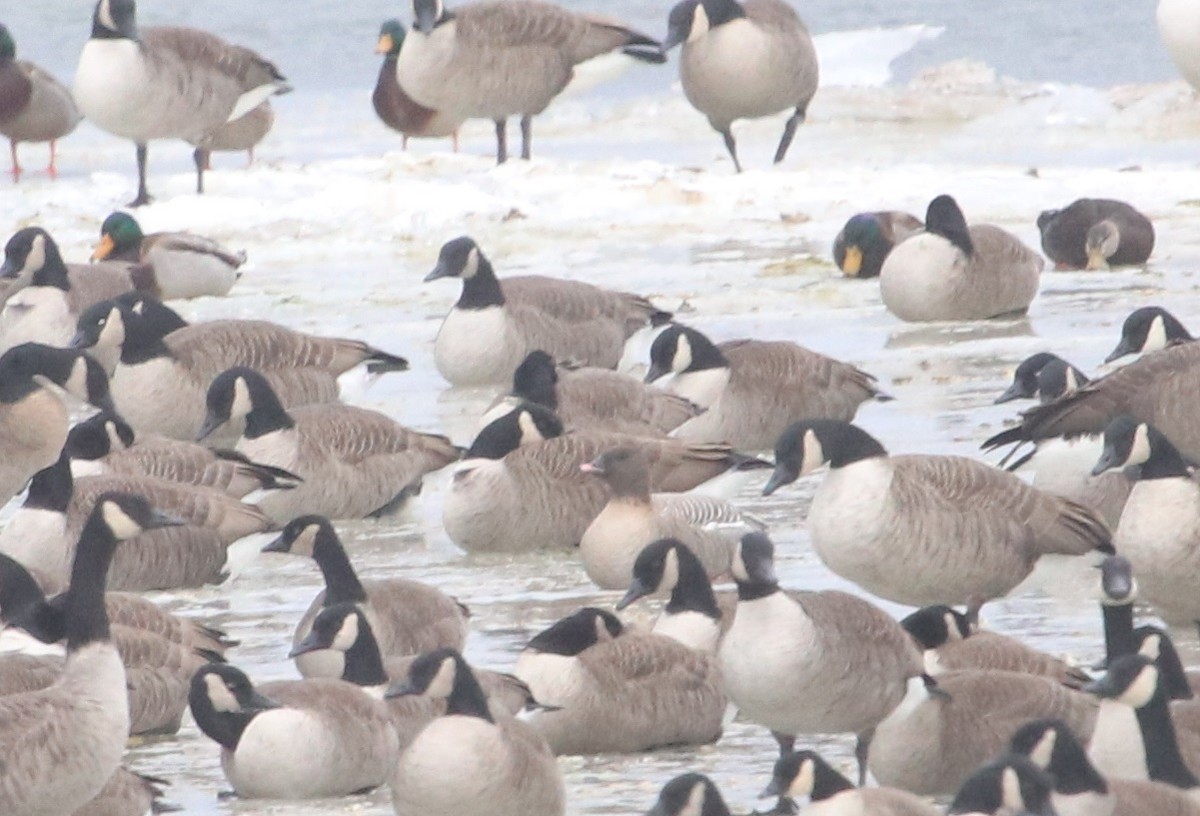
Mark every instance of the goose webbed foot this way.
pixel 862 748
pixel 526 137
pixel 143 195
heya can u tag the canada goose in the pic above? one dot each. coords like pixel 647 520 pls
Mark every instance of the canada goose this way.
pixel 166 366
pixel 1158 528
pixel 393 106
pixel 752 390
pixel 185 265
pixel 861 246
pixel 806 775
pixel 70 736
pixel 127 793
pixel 619 691
pixel 407 617
pixel 293 739
pixel 922 529
pixel 943 730
pixel 34 107
pixel 1149 328
pixel 243 133
pixel 1080 790
pixel 1177 25
pixel 105 443
pixel 165 82
pixel 1009 786
pixel 503 766
pixel 45 297
pixel 33 420
pixel 692 615
pixel 1044 377
pixel 744 61
pixel 354 462
pixel 689 794
pixel 494 325
pixel 1096 233
pixel 955 272
pixel 633 518
pixel 521 487
pixel 810 662
pixel 493 60
pixel 950 643
pixel 594 399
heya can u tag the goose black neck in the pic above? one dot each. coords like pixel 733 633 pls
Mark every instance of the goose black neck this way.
pixel 51 487
pixel 54 271
pixel 1165 461
pixel 341 582
pixel 693 591
pixel 19 592
pixel 267 416
pixel 134 353
pixel 364 663
pixel 87 619
pixel 827 782
pixel 754 590
pixel 145 334
pixel 467 698
pixel 1163 760
pixel 482 289
pixel 1118 630
pixel 223 727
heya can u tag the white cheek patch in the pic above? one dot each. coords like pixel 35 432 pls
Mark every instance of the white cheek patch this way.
pixel 1151 647
pixel 443 682
pixel 529 428
pixel 1139 451
pixel 1141 690
pixel 602 633
pixel 1072 381
pixel 36 258
pixel 347 634
pixel 1156 336
pixel 77 383
pixel 670 576
pixel 115 443
pixel 104 13
pixel 802 785
pixel 122 526
pixel 700 23
pixel 1010 790
pixel 139 307
pixel 1044 749
pixel 682 360
pixel 738 567
pixel 814 454
pixel 220 696
pixel 694 805
pixel 472 265
pixel 306 541
pixel 952 632
pixel 242 405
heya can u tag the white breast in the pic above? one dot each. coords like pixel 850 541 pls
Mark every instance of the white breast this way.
pixel 156 397
pixel 110 87
pixel 1116 748
pixel 553 679
pixel 728 75
pixel 701 387
pixel 1160 534
pixel 693 629
pixel 475 346
pixel 847 520
pixel 919 275
pixel 469 750
pixel 37 314
pixel 37 539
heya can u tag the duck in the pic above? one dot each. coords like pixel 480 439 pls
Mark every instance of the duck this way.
pixel 693 615
pixel 950 642
pixel 634 518
pixel 504 767
pixel 593 399
pixel 522 470
pixel 35 106
pixel 493 60
pixel 354 462
pixel 687 794
pixel 185 265
pixel 907 508
pixel 165 82
pixel 162 367
pixel 1080 790
pixel 1149 328
pixel 945 728
pixel 407 617
pixel 861 246
pixel 751 390
pixel 744 61
pixel 810 662
pixel 615 690
pixel 495 324
pixel 293 739
pixel 1178 27
pixel 806 775
pixel 393 106
pixel 1043 376
pixel 1096 233
pixel 70 736
pixel 1008 786
pixel 243 133
pixel 955 272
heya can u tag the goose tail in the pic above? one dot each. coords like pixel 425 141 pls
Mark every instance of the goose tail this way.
pixel 381 362
pixel 1079 530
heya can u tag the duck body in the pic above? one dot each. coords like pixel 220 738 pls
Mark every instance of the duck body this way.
pixel 861 246
pixel 185 265
pixel 34 106
pixel 393 106
pixel 1071 239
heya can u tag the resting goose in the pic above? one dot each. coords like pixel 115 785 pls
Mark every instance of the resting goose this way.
pixel 185 265
pixel 34 106
pixel 1009 786
pixel 692 615
pixel 62 743
pixel 634 518
pixel 393 106
pixel 952 272
pixel 865 241
pixel 921 529
pixel 294 739
pixel 165 82
pixel 619 691
pixel 751 390
pixel 495 324
pixel 688 794
pixel 500 765
pixel 744 61
pixel 806 775
pixel 1149 328
pixel 493 60
pixel 407 617
pixel 1096 233
pixel 353 462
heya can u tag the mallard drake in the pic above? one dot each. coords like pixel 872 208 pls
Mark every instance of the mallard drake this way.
pixel 393 106
pixel 862 245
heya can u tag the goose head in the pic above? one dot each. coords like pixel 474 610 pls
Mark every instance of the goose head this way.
pixel 1052 746
pixel 458 258
pixel 1027 384
pixel 804 775
pixel 223 702
pixel 344 630
pixel 805 447
pixel 427 14
pixel 682 350
pixel 690 794
pixel 1131 679
pixel 577 632
pixel 444 675
pixel 98 436
pixel 1010 786
pixel 753 566
pixel 945 218
pixel 1116 580
pixel 133 323
pixel 656 570
pixel 241 393
pixel 934 626
pixel 1132 444
pixel 120 235
pixel 115 19
pixel 526 424
pixel 1149 328
pixel 1155 643
pixel 535 379
pixel 692 19
pixel 304 535
pixel 31 254
pixel 25 367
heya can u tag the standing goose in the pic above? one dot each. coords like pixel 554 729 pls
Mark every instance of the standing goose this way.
pixel 619 691
pixel 62 743
pixel 633 518
pixel 752 390
pixel 185 265
pixel 501 766
pixel 810 662
pixel 955 272
pixel 744 60
pixel 1149 328
pixel 165 82
pixel 494 325
pixel 806 775
pixel 294 739
pixel 1009 786
pixel 354 462
pixel 1096 233
pixel 921 529
pixel 1179 27
pixel 688 794
pixel 692 615
pixel 407 617
pixel 34 106
pixel 393 106
pixel 862 245
pixel 493 60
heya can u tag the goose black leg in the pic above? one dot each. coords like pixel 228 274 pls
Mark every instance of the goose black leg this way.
pixel 526 137
pixel 143 196
pixel 789 132
pixel 731 146
pixel 501 141
pixel 787 742
pixel 862 746
pixel 200 157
